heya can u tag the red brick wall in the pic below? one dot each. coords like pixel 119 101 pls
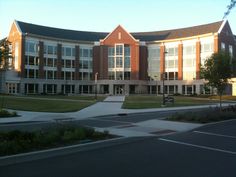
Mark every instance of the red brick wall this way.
pixel 15 37
pixel 119 35
pixel 198 59
pixel 77 54
pixel 180 62
pixel 96 60
pixel 143 64
pixel 103 63
pixel 59 62
pixel 162 59
pixel 41 60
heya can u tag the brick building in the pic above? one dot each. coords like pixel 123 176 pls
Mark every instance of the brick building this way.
pixel 51 60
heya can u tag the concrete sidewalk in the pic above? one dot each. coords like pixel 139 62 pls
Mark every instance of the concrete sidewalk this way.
pixel 112 105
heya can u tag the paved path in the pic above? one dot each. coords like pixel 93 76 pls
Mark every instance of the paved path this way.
pixel 112 105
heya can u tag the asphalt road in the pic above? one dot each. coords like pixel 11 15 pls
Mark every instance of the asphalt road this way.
pixel 209 151
pixel 101 122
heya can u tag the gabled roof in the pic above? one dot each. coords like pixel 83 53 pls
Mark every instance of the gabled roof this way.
pixel 96 36
pixel 178 33
pixel 60 33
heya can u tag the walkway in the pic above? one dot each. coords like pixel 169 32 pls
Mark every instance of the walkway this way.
pixel 112 105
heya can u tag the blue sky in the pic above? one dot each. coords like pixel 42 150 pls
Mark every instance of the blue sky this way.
pixel 105 15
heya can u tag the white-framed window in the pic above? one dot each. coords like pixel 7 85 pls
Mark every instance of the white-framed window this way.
pixel 119 65
pixel 231 51
pixel 222 46
pixel 50 49
pixel 68 51
pixel 31 47
pixel 154 62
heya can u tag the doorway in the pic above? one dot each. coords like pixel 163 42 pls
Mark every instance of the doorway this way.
pixel 119 89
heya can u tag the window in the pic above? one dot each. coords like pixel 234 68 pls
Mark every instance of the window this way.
pixel 111 75
pixel 50 50
pixel 127 75
pixel 68 63
pixel 127 51
pixel 31 60
pixel 206 47
pixel 111 51
pixel 231 50
pixel 222 46
pixel 127 62
pixel 189 50
pixel 68 51
pixel 31 47
pixel 119 49
pixel 173 51
pixel 85 52
pixel 50 62
pixel 119 62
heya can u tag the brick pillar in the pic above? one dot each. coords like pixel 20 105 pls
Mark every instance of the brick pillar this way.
pixel 216 43
pixel 77 55
pixel 96 59
pixel 162 60
pixel 134 61
pixel 143 64
pixel 41 60
pixel 59 62
pixel 22 57
pixel 103 74
pixel 180 61
pixel 198 59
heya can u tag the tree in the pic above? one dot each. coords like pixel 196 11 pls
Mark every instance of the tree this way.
pixel 217 71
pixel 5 54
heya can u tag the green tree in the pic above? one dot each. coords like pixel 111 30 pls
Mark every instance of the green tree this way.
pixel 5 54
pixel 217 71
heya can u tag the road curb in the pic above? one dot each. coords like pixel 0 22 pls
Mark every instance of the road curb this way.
pixel 42 154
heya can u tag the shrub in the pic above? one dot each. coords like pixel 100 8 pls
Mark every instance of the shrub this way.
pixel 14 142
pixel 5 113
pixel 206 116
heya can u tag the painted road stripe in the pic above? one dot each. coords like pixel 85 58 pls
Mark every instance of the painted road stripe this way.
pixel 215 134
pixel 198 146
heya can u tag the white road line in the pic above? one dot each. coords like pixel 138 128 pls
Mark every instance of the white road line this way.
pixel 198 146
pixel 215 134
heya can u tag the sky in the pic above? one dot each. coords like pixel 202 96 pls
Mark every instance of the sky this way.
pixel 105 15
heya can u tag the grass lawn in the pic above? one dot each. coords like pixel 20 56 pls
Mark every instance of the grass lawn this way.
pixel 224 97
pixel 46 104
pixel 152 101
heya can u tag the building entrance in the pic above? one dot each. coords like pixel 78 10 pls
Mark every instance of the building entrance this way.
pixel 119 89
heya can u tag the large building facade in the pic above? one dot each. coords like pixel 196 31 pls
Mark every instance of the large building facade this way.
pixel 56 61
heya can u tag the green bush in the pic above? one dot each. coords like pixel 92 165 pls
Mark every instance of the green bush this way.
pixel 5 113
pixel 14 142
pixel 206 116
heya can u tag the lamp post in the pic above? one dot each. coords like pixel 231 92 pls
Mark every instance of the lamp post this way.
pixel 163 85
pixel 96 79
pixel 156 77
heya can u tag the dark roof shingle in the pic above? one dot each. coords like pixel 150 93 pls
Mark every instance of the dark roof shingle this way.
pixel 96 36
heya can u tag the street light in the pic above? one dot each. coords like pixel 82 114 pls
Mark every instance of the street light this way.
pixel 96 79
pixel 156 77
pixel 163 85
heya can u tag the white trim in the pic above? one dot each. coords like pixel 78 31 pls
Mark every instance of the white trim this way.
pixel 222 26
pixel 119 26
pixel 198 146
pixel 17 26
pixel 215 134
